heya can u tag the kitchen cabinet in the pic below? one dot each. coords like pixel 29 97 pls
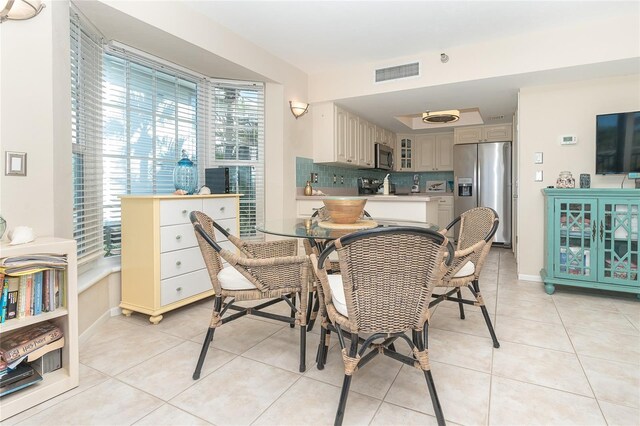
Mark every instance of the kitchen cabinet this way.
pixel 162 267
pixel 591 239
pixel 366 136
pixel 478 134
pixel 385 137
pixel 405 153
pixel 445 213
pixel 65 317
pixel 435 152
pixel 335 135
pixel 410 208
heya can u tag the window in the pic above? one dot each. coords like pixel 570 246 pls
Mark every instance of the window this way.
pixel 236 129
pixel 133 116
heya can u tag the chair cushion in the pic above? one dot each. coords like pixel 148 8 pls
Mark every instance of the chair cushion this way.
pixel 231 279
pixel 337 294
pixel 468 269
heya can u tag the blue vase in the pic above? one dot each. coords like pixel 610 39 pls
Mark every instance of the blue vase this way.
pixel 185 174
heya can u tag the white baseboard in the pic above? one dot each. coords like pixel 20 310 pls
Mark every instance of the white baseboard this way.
pixel 534 278
pixel 93 327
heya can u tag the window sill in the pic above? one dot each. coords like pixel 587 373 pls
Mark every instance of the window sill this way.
pixel 102 268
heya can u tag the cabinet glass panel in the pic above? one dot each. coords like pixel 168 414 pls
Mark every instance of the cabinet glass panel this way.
pixel 575 240
pixel 618 241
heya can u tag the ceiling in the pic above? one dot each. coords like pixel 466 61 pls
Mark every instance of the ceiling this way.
pixel 316 36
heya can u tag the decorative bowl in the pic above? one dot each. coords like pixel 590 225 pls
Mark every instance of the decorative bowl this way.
pixel 344 209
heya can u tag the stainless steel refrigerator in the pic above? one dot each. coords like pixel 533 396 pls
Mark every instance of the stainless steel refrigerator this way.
pixel 482 177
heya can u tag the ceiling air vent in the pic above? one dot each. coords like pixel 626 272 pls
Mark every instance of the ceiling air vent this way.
pixel 399 71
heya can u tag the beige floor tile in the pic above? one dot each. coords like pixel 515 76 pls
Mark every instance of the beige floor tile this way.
pixel 463 350
pixel 463 393
pixel 174 367
pixel 309 402
pixel 113 354
pixel 168 415
pixel 533 310
pixel 597 320
pixel 240 335
pixel 88 379
pixel 532 333
pixel 236 393
pixel 109 403
pixel 627 304
pixel 448 318
pixel 523 290
pixel 582 299
pixel 544 367
pixel 389 414
pixel 605 345
pixel 633 320
pixel 612 381
pixel 518 403
pixel 619 415
pixel 185 323
pixel 374 379
pixel 282 349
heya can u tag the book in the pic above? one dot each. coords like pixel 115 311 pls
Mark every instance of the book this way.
pixel 5 294
pixel 56 344
pixel 45 290
pixel 20 372
pixel 12 298
pixel 37 289
pixel 27 339
pixel 22 296
pixel 23 265
pixel 21 384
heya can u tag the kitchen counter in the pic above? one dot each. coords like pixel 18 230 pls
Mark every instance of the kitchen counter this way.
pixel 411 197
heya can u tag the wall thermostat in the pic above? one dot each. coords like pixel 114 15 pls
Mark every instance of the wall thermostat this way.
pixel 568 140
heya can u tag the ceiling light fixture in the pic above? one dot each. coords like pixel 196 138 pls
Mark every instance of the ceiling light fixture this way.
pixel 298 109
pixel 440 117
pixel 19 10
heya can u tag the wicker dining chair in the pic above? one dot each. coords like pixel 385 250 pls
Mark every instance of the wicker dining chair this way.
pixel 383 302
pixel 261 271
pixel 477 229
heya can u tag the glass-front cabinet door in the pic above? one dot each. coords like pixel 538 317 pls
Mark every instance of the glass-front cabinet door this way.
pixel 406 149
pixel 617 236
pixel 576 242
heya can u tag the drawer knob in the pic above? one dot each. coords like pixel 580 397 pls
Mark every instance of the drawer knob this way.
pixel 179 289
pixel 228 229
pixel 184 212
pixel 222 208
pixel 178 237
pixel 178 263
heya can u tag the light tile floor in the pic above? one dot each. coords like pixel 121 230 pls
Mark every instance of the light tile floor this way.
pixel 570 358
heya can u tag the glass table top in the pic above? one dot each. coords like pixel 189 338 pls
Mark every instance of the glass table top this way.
pixel 309 228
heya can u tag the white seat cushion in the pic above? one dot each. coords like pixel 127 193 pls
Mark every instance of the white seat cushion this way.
pixel 337 293
pixel 231 279
pixel 468 269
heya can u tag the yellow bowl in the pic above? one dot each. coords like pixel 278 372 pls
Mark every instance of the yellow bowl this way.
pixel 344 209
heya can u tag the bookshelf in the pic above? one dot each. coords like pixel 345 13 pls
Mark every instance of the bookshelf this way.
pixel 66 318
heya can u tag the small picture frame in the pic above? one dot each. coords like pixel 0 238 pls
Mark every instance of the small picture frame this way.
pixel 436 185
pixel 15 163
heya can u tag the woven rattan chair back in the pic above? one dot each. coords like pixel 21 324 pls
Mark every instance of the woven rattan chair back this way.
pixel 388 277
pixel 212 260
pixel 476 225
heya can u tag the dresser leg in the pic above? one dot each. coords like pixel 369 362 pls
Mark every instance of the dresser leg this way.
pixel 549 288
pixel 127 312
pixel 155 319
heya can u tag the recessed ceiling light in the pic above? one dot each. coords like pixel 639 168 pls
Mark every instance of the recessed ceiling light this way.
pixel 448 116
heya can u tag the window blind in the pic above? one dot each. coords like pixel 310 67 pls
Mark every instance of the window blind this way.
pixel 235 139
pixel 86 121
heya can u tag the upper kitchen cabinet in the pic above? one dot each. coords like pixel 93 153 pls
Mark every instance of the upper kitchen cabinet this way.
pixel 405 153
pixel 478 134
pixel 434 152
pixel 385 137
pixel 335 135
pixel 366 136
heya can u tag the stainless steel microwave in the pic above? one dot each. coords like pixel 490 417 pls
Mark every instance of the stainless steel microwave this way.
pixel 383 157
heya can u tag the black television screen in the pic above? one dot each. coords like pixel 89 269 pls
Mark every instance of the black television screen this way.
pixel 618 143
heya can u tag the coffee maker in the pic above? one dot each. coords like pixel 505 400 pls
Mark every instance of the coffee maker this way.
pixel 368 186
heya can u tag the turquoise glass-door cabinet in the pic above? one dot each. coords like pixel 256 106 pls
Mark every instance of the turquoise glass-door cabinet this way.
pixel 591 239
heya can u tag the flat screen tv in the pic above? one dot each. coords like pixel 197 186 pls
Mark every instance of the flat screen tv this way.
pixel 618 143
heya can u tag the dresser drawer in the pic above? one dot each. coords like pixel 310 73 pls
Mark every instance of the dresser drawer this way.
pixel 183 286
pixel 176 237
pixel 220 208
pixel 173 212
pixel 230 225
pixel 180 262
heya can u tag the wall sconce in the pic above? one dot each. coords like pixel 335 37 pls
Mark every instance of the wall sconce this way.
pixel 298 109
pixel 19 10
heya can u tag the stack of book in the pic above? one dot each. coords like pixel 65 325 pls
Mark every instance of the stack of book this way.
pixel 31 285
pixel 22 353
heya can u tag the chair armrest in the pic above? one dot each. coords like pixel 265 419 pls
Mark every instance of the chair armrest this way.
pixel 461 257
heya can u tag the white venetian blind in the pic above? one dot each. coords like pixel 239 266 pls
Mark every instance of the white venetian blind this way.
pixel 235 139
pixel 86 116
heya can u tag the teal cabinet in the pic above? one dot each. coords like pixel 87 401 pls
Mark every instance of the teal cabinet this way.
pixel 591 239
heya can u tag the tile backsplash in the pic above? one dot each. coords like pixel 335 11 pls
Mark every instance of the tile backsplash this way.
pixel 306 166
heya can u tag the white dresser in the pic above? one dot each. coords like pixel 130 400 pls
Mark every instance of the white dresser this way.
pixel 162 267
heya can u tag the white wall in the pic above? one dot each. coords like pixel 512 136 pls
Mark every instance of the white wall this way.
pixel 35 116
pixel 545 113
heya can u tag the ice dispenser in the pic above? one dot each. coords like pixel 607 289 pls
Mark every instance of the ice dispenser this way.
pixel 465 187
